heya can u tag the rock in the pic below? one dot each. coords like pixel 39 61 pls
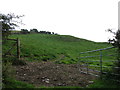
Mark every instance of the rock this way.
pixel 59 84
pixel 24 74
pixel 43 77
pixel 86 85
pixel 90 82
pixel 47 81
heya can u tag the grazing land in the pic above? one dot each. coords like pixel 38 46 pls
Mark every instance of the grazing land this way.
pixel 45 47
pixel 64 49
pixel 51 60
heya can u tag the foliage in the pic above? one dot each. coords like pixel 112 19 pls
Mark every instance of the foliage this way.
pixel 7 71
pixel 46 32
pixel 8 23
pixel 24 31
pixel 116 42
pixel 34 30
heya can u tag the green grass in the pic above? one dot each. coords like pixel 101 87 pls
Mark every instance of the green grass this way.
pixel 62 48
pixel 43 47
pixel 50 47
pixel 12 83
pixel 104 84
pixel 59 87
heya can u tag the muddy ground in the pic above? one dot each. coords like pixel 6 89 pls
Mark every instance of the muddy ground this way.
pixel 50 74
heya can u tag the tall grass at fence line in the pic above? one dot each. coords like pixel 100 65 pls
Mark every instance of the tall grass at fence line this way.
pixel 104 84
pixel 8 75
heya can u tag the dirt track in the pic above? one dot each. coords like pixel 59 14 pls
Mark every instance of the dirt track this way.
pixel 50 74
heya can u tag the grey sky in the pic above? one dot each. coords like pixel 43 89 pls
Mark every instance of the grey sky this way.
pixel 81 18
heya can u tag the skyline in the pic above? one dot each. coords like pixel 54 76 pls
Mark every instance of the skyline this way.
pixel 79 18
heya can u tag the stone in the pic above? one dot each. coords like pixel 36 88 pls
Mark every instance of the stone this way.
pixel 90 82
pixel 24 74
pixel 47 81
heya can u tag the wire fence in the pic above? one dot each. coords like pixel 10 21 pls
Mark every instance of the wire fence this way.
pixel 98 62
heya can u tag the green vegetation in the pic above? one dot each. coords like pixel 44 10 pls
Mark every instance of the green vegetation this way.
pixel 12 83
pixel 8 23
pixel 104 84
pixel 52 47
pixel 60 48
pixel 8 77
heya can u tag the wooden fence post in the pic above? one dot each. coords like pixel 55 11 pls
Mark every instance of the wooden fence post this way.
pixel 18 49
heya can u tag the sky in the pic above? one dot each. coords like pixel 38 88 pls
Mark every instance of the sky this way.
pixel 86 19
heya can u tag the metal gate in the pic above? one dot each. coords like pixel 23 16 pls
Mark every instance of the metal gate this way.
pixel 88 63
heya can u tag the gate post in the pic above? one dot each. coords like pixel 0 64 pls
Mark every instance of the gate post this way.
pixel 79 63
pixel 18 49
pixel 101 64
pixel 87 68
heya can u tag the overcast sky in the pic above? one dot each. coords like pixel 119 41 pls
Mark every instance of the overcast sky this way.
pixel 86 19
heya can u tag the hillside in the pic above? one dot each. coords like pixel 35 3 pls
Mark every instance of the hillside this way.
pixel 51 61
pixel 53 47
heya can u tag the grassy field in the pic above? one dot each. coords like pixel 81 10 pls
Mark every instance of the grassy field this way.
pixel 50 47
pixel 54 47
pixel 60 48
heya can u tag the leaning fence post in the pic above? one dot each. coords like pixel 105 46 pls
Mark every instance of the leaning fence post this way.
pixel 18 49
pixel 101 64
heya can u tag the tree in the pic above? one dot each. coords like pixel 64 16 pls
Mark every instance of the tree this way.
pixel 34 30
pixel 52 32
pixel 116 42
pixel 43 32
pixel 8 23
pixel 24 31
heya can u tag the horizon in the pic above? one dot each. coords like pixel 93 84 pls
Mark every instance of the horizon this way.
pixel 83 19
pixel 63 35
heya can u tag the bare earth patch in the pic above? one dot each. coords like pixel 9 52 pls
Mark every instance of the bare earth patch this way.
pixel 50 74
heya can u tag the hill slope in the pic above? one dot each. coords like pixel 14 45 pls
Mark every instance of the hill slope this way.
pixel 55 47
